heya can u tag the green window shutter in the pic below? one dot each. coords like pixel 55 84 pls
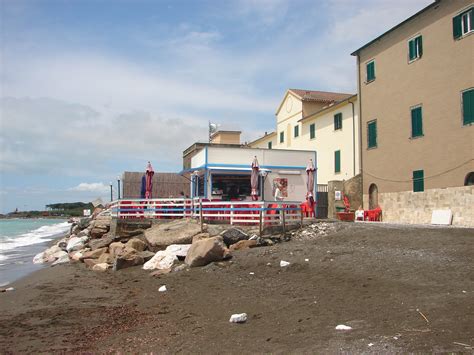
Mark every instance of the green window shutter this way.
pixel 312 131
pixel 468 107
pixel 418 181
pixel 411 49
pixel 337 161
pixel 370 71
pixel 372 134
pixel 269 145
pixel 337 121
pixel 297 131
pixel 416 122
pixel 457 27
pixel 471 18
pixel 419 43
pixel 282 137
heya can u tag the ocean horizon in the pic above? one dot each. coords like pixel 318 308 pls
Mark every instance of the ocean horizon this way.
pixel 20 240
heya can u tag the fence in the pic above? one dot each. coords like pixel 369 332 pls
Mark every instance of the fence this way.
pixel 263 213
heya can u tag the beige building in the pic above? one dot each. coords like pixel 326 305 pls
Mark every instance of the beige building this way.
pixel 416 97
pixel 325 122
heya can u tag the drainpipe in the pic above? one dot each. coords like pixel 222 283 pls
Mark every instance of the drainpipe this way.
pixel 353 139
pixel 360 126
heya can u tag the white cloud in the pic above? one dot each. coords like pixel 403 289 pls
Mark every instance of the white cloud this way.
pixel 97 187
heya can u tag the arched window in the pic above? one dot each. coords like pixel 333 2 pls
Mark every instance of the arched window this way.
pixel 373 196
pixel 469 180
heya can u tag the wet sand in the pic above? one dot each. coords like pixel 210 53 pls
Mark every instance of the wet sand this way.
pixel 400 288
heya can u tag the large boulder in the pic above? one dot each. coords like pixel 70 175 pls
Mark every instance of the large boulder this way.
pixel 128 257
pixel 94 254
pixel 146 255
pixel 136 244
pixel 164 259
pixel 205 251
pixel 180 231
pixel 64 258
pixel 116 248
pixel 105 258
pixel 76 243
pixel 243 244
pixel 100 226
pixel 101 267
pixel 161 261
pixel 233 235
pixel 103 242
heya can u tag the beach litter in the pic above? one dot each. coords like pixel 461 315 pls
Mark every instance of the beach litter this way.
pixel 284 263
pixel 238 318
pixel 370 344
pixel 343 327
pixel 162 289
pixel 9 289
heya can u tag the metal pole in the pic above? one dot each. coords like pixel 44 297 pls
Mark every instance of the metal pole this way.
pixel 111 193
pixel 200 216
pixel 118 183
pixel 283 216
pixel 261 229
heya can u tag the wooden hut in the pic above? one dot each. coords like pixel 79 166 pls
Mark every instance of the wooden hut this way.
pixel 165 185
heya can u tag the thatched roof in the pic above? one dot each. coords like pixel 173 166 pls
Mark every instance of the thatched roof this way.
pixel 164 185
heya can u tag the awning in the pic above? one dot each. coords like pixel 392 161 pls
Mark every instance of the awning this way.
pixel 230 168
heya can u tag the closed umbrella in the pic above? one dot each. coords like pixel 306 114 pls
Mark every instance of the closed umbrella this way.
pixel 254 179
pixel 149 184
pixel 143 187
pixel 310 169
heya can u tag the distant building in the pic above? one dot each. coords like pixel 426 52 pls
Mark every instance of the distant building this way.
pixel 325 122
pixel 416 101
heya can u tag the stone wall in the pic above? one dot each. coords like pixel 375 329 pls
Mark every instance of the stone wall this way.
pixel 416 207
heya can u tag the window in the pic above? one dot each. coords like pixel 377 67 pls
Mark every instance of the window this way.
pixel 415 48
pixel 416 122
pixel 282 137
pixel 463 23
pixel 337 161
pixel 372 134
pixel 418 181
pixel 297 131
pixel 468 107
pixel 312 131
pixel 337 121
pixel 269 145
pixel 370 70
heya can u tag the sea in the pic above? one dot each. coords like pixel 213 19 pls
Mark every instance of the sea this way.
pixel 20 240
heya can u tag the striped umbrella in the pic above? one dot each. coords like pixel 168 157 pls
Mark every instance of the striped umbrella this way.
pixel 254 179
pixel 149 183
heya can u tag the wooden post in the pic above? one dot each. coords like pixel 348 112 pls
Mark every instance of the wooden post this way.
pixel 261 226
pixel 301 211
pixel 200 216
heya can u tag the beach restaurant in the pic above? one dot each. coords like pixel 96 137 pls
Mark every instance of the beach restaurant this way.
pixel 225 173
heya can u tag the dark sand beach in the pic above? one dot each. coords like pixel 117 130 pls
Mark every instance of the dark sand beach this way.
pixel 401 289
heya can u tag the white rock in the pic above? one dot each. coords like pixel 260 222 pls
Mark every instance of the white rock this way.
pixel 75 243
pixel 306 259
pixel 251 273
pixel 9 289
pixel 76 256
pixel 284 263
pixel 343 327
pixel 238 318
pixel 59 254
pixel 161 260
pixel 180 250
pixel 162 289
pixel 61 260
pixel 39 258
pixel 100 267
pixel 371 344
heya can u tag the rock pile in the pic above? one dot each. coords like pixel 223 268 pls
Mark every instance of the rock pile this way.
pixel 313 231
pixel 163 247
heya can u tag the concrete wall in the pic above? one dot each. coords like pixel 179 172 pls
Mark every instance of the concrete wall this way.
pixel 226 137
pixel 446 150
pixel 416 207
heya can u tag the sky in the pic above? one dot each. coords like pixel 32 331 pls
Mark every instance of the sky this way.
pixel 92 88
